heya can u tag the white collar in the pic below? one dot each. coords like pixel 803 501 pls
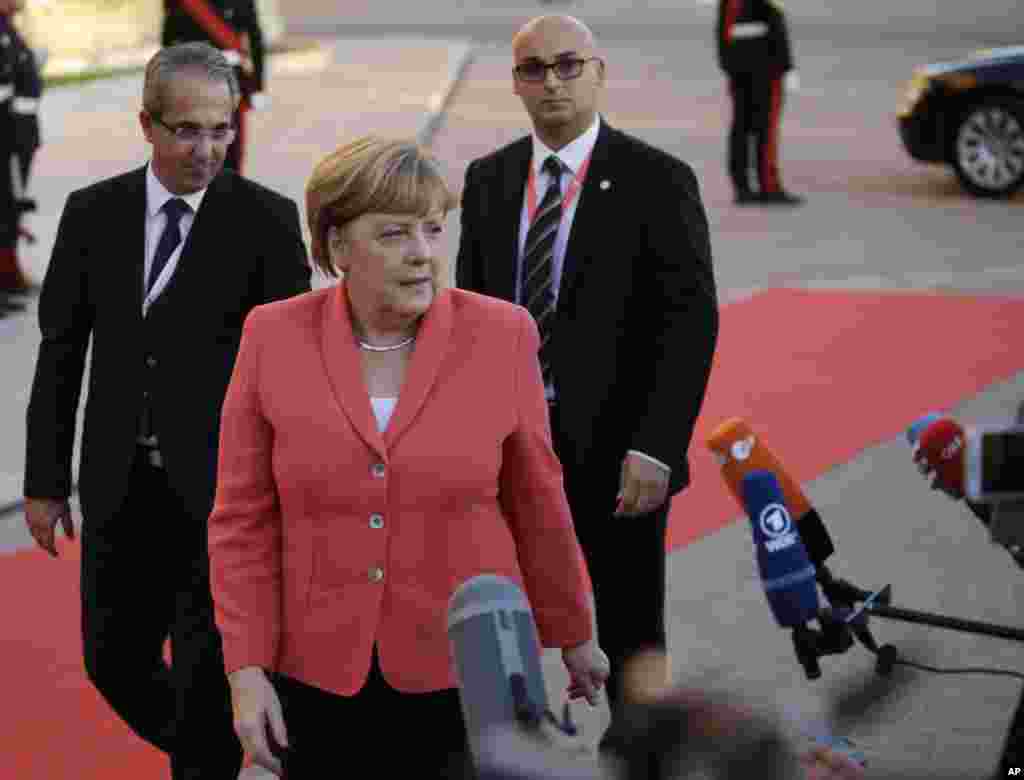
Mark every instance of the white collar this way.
pixel 572 154
pixel 157 194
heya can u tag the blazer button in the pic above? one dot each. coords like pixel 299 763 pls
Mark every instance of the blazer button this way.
pixel 376 574
pixel 376 521
pixel 150 361
pixel 379 469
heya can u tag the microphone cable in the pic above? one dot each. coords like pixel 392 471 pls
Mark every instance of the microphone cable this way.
pixel 895 658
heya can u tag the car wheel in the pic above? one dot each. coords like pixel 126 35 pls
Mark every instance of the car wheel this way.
pixel 988 147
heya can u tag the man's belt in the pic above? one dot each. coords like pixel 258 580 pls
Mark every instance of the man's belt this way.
pixel 748 30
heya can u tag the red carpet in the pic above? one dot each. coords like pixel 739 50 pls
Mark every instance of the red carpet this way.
pixel 820 375
pixel 824 375
pixel 54 725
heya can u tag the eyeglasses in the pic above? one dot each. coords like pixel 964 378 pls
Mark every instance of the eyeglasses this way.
pixel 189 133
pixel 535 71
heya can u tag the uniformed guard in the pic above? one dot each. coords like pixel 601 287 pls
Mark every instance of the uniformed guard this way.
pixel 754 51
pixel 232 26
pixel 20 88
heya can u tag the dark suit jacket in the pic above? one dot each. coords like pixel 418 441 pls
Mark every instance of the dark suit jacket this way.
pixel 768 55
pixel 244 248
pixel 637 315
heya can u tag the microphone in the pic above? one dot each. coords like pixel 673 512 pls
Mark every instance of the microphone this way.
pixel 786 570
pixel 940 447
pixel 790 577
pixel 740 452
pixel 497 657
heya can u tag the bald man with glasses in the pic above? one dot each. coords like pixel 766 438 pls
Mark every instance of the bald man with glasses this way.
pixel 157 269
pixel 604 239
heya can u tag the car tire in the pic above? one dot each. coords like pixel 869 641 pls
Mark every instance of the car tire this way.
pixel 987 147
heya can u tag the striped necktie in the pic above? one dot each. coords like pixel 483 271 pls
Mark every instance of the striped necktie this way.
pixel 538 262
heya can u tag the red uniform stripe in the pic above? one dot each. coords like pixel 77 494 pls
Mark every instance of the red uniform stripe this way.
pixel 219 31
pixel 732 11
pixel 770 155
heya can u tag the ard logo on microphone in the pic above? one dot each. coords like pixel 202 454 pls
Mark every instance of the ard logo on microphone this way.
pixel 777 525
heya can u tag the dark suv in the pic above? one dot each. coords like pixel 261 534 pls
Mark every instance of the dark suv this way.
pixel 970 114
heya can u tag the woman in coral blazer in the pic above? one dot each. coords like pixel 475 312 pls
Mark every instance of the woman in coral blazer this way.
pixel 383 440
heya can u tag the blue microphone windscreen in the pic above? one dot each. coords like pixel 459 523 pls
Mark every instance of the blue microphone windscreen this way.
pixel 786 570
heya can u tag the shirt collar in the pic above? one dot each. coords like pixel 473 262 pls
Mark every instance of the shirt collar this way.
pixel 572 154
pixel 157 195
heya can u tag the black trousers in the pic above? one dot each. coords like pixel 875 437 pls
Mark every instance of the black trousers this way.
pixel 14 172
pixel 145 579
pixel 389 733
pixel 756 119
pixel 626 560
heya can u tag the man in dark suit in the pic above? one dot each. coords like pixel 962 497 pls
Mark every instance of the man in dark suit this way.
pixel 234 27
pixel 158 267
pixel 615 264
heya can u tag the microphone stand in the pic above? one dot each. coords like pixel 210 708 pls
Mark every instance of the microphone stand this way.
pixel 837 634
pixel 856 622
pixel 940 621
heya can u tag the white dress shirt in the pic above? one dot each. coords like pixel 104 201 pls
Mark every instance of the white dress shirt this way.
pixel 156 220
pixel 572 155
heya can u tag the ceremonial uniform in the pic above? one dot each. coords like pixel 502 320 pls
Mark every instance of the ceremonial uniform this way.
pixel 232 26
pixel 755 53
pixel 20 88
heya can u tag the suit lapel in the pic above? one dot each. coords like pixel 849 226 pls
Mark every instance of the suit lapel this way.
pixel 594 214
pixel 134 238
pixel 421 374
pixel 503 264
pixel 345 369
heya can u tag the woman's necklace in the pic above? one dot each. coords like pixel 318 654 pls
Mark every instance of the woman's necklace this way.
pixel 392 348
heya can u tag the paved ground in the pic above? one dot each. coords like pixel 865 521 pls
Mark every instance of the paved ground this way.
pixel 875 220
pixel 865 22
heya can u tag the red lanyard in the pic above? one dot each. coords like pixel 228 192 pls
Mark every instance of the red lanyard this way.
pixel 570 193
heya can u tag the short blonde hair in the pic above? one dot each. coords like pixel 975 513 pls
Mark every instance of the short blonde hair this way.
pixel 371 175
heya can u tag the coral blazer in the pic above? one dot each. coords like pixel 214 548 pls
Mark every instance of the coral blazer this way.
pixel 327 536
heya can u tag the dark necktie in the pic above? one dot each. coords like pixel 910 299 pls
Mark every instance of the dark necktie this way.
pixel 175 209
pixel 538 262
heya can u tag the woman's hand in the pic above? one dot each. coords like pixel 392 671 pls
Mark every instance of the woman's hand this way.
pixel 257 711
pixel 588 669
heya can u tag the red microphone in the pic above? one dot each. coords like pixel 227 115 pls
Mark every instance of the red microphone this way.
pixel 940 450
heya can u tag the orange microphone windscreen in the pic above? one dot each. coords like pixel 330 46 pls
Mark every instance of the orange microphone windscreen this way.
pixel 739 451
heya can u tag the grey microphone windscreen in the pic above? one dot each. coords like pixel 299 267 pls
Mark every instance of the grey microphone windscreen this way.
pixel 497 654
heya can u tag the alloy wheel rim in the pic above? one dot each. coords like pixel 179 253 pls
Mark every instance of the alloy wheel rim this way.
pixel 990 148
